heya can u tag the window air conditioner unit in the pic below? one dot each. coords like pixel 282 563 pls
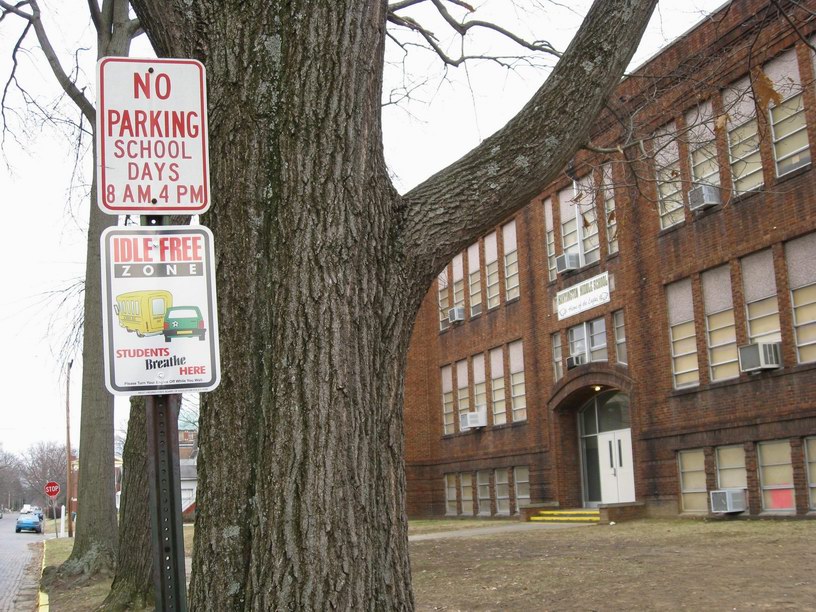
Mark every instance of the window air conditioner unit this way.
pixel 567 262
pixel 456 314
pixel 728 500
pixel 473 420
pixel 574 361
pixel 760 356
pixel 703 196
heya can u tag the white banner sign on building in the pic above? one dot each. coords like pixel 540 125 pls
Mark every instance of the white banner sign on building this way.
pixel 583 296
pixel 160 328
pixel 151 136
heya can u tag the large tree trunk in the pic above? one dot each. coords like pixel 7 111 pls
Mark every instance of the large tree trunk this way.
pixel 132 587
pixel 321 269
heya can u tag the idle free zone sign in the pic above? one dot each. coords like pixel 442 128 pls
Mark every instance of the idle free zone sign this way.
pixel 152 136
pixel 159 316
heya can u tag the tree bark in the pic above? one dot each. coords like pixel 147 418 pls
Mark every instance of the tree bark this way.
pixel 132 587
pixel 321 269
pixel 96 531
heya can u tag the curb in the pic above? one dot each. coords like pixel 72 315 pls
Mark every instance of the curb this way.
pixel 42 596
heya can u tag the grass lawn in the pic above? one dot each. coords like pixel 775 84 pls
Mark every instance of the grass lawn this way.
pixel 67 595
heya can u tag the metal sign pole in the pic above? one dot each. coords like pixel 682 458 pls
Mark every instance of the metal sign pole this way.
pixel 169 577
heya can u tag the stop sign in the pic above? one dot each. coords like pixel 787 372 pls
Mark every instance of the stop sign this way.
pixel 52 489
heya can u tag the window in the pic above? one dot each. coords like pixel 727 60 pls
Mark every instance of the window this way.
pixel 721 334
pixel 474 280
pixel 800 255
pixel 608 193
pixel 731 473
pixel 557 357
pixel 451 508
pixel 483 488
pixel 667 171
pixel 447 400
pixel 462 387
pixel 511 269
pixel 458 282
pixel 620 336
pixel 705 169
pixel 550 238
pixel 501 478
pixel 759 287
pixel 492 268
pixel 579 222
pixel 468 501
pixel 682 336
pixel 479 386
pixel 693 491
pixel 497 386
pixel 518 399
pixel 787 119
pixel 810 458
pixel 588 340
pixel 521 479
pixel 442 283
pixel 776 476
pixel 743 137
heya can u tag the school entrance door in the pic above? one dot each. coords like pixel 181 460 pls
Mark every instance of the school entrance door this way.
pixel 606 450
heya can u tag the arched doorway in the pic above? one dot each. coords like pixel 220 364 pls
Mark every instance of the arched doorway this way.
pixel 606 449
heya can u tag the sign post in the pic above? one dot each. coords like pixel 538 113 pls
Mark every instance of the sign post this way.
pixel 160 327
pixel 52 489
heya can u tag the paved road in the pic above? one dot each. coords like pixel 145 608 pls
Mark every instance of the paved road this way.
pixel 20 558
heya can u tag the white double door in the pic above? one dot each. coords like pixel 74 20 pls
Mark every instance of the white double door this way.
pixel 617 474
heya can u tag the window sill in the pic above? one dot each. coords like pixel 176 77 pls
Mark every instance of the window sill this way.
pixel 778 180
pixel 671 229
pixel 746 378
pixel 512 301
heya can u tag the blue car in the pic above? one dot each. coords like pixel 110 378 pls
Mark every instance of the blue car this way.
pixel 30 522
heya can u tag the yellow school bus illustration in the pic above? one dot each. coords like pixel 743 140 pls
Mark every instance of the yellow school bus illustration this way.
pixel 143 311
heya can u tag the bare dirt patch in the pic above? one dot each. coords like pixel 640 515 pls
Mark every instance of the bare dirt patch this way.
pixel 642 565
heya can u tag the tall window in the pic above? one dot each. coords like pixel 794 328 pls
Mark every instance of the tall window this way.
pixel 511 269
pixel 588 340
pixel 731 473
pixel 442 284
pixel 447 400
pixel 502 481
pixel 776 475
pixel 579 222
pixel 458 282
pixel 462 387
pixel 620 336
pixel 557 357
pixel 608 193
pixel 800 255
pixel 693 480
pixel 468 501
pixel 667 170
pixel 705 169
pixel 761 307
pixel 787 119
pixel 521 479
pixel 474 280
pixel 810 458
pixel 721 334
pixel 497 386
pixel 518 398
pixel 492 269
pixel 483 489
pixel 550 238
pixel 743 137
pixel 451 509
pixel 479 386
pixel 685 370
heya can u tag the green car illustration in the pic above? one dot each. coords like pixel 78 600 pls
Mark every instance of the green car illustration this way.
pixel 183 321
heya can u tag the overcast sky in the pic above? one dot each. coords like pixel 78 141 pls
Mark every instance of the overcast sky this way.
pixel 45 211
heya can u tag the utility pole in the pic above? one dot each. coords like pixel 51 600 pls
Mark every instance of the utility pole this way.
pixel 68 449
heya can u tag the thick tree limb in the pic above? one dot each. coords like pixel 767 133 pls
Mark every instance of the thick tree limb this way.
pixel 502 174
